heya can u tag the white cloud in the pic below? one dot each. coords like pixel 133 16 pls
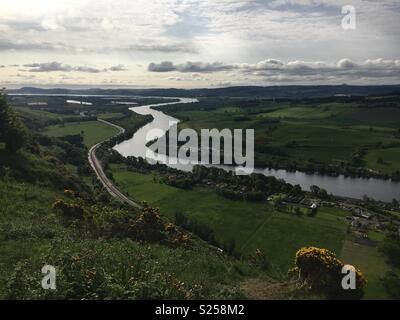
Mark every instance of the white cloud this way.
pixel 88 33
pixel 61 67
pixel 344 69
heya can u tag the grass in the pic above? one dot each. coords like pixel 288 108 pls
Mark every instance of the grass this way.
pixel 252 225
pixel 93 131
pixel 258 226
pixel 371 263
pixel 110 115
pixel 25 215
pixel 324 132
pixel 390 159
pixel 376 235
pixel 36 113
pixel 320 112
pixel 30 229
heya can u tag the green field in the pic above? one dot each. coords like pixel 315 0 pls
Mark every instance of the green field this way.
pixel 384 160
pixel 93 131
pixel 252 225
pixel 259 226
pixel 110 115
pixel 371 263
pixel 305 134
pixel 35 113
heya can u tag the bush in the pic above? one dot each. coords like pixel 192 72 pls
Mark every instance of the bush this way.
pixel 321 271
pixel 99 270
pixel 68 210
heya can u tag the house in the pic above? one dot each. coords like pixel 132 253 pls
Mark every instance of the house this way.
pixel 314 206
pixel 366 215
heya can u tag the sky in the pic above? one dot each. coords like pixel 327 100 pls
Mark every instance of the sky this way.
pixel 197 43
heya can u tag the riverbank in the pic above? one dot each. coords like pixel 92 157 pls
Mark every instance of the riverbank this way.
pixel 384 190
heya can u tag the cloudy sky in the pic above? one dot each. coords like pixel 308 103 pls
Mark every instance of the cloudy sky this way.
pixel 197 43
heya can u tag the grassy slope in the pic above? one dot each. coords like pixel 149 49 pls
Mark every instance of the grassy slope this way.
pixel 258 226
pixel 30 229
pixel 252 225
pixel 94 131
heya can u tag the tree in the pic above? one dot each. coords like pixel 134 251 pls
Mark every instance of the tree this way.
pixel 12 130
pixel 315 190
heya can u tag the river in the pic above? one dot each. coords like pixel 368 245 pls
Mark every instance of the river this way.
pixel 378 189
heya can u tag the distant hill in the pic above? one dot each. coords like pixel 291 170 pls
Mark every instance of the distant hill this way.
pixel 243 91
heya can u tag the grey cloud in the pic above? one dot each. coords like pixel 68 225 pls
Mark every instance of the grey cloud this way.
pixel 164 48
pixel 165 66
pixel 88 69
pixel 315 71
pixel 297 70
pixel 48 67
pixel 58 66
pixel 197 67
pixel 346 64
pixel 119 67
pixel 6 45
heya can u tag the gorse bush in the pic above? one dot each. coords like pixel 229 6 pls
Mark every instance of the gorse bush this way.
pixel 320 271
pixel 144 225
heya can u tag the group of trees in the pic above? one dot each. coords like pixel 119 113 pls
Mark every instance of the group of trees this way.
pixel 12 131
pixel 319 192
pixel 200 229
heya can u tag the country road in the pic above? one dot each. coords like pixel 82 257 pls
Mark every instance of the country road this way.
pixel 98 169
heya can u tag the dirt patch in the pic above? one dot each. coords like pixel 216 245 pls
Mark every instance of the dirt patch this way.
pixel 258 289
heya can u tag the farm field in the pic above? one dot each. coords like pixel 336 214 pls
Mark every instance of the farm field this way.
pixel 110 115
pixel 385 160
pixel 93 131
pixel 252 225
pixel 372 264
pixel 36 113
pixel 302 134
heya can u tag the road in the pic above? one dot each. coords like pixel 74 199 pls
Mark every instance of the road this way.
pixel 98 169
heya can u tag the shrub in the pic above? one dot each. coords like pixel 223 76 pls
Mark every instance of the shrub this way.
pixel 68 210
pixel 321 271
